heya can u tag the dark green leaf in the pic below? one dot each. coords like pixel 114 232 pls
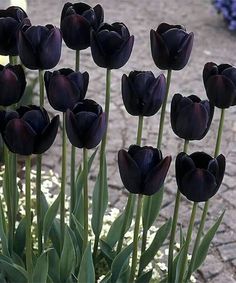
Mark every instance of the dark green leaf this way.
pixel 40 272
pixel 15 273
pixel 107 278
pixel 55 235
pixel 145 277
pixel 87 272
pixel 107 250
pixel 54 265
pixel 3 237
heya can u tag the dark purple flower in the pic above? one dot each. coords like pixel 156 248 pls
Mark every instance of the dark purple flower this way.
pixel 85 124
pixel 143 169
pixel 190 116
pixel 12 84
pixel 111 45
pixel 11 20
pixel 220 84
pixel 65 88
pixel 28 130
pixel 142 93
pixel 40 46
pixel 171 46
pixel 77 20
pixel 198 175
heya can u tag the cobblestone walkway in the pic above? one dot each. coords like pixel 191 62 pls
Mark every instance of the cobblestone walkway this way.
pixel 212 43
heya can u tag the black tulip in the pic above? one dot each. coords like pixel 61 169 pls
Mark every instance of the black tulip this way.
pixel 143 169
pixel 142 93
pixel 40 46
pixel 111 45
pixel 220 84
pixel 77 20
pixel 190 116
pixel 12 84
pixel 11 21
pixel 65 88
pixel 198 175
pixel 28 130
pixel 171 46
pixel 85 124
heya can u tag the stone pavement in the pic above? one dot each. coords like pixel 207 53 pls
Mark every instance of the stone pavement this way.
pixel 213 42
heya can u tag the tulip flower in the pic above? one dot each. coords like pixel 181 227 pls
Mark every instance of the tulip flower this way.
pixel 11 21
pixel 142 93
pixel 171 46
pixel 12 84
pixel 143 169
pixel 40 46
pixel 77 20
pixel 190 116
pixel 198 175
pixel 28 130
pixel 111 45
pixel 85 124
pixel 65 88
pixel 220 84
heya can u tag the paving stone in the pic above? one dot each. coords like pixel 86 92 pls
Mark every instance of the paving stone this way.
pixel 227 251
pixel 211 267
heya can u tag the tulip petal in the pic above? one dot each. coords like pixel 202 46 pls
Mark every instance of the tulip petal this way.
pixel 183 164
pixel 129 100
pixel 210 69
pixel 163 27
pixel 221 164
pixel 97 51
pixel 98 10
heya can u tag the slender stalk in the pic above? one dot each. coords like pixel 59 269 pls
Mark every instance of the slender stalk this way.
pixel 131 197
pixel 187 242
pixel 135 239
pixel 41 88
pixel 29 262
pixel 205 209
pixel 173 228
pixel 102 155
pixel 85 161
pixel 13 60
pixel 63 181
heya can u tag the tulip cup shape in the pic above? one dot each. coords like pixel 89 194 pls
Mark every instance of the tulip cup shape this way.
pixel 65 88
pixel 190 116
pixel 198 175
pixel 143 169
pixel 28 130
pixel 111 45
pixel 11 21
pixel 77 20
pixel 171 46
pixel 40 46
pixel 220 84
pixel 85 124
pixel 142 93
pixel 12 84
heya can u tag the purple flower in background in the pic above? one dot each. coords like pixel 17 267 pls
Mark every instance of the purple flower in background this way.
pixel 228 9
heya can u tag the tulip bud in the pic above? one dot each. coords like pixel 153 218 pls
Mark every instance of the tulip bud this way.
pixel 12 84
pixel 171 46
pixel 143 169
pixel 190 116
pixel 77 20
pixel 142 93
pixel 11 21
pixel 85 124
pixel 111 45
pixel 28 130
pixel 40 47
pixel 198 175
pixel 220 84
pixel 65 88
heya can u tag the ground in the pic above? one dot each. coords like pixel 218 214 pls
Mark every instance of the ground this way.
pixel 212 42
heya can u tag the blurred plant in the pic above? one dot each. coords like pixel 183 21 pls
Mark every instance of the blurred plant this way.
pixel 228 9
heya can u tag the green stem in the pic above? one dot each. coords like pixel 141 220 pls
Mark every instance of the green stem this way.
pixel 41 88
pixel 102 157
pixel 135 239
pixel 85 169
pixel 187 242
pixel 77 60
pixel 63 181
pixel 29 262
pixel 205 209
pixel 13 60
pixel 173 228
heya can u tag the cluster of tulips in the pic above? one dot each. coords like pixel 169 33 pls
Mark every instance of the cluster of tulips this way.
pixel 64 251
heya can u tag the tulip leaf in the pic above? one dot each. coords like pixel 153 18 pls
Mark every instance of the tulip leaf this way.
pixel 79 231
pixel 40 272
pixel 160 237
pixel 107 251
pixel 20 237
pixel 120 263
pixel 205 243
pixel 145 277
pixel 107 278
pixel 50 216
pixel 55 235
pixel 87 272
pixel 151 209
pixel 15 273
pixel 54 265
pixel 67 259
pixel 177 263
pixel 100 202
pixel 4 242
